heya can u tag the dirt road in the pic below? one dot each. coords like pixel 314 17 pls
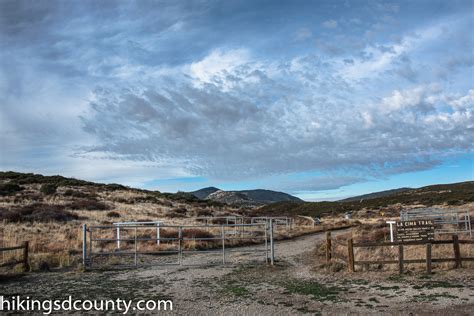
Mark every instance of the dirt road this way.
pixel 290 287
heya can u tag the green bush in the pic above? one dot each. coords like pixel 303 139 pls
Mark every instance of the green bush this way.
pixel 9 188
pixel 48 189
pixel 37 212
pixel 87 204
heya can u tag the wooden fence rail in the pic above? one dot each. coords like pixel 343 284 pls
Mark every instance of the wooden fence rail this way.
pixel 401 261
pixel 23 260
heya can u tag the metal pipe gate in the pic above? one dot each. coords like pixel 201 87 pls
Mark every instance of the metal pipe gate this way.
pixel 175 242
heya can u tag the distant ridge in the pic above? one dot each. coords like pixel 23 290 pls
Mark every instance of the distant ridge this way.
pixel 204 192
pixel 375 195
pixel 451 194
pixel 244 197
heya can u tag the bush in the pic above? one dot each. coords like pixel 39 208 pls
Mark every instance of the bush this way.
pixel 196 233
pixel 37 212
pixel 454 202
pixel 180 210
pixel 9 188
pixel 172 214
pixel 187 233
pixel 79 194
pixel 113 214
pixel 48 189
pixel 115 187
pixel 146 199
pixel 203 212
pixel 89 205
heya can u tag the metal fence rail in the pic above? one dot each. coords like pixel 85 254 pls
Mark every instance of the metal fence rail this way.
pixel 139 245
pixel 236 220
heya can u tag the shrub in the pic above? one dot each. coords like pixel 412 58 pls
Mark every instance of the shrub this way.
pixel 146 199
pixel 115 187
pixel 181 210
pixel 79 194
pixel 454 202
pixel 172 214
pixel 204 213
pixel 187 233
pixel 48 189
pixel 37 212
pixel 113 214
pixel 164 203
pixel 9 188
pixel 89 205
pixel 196 233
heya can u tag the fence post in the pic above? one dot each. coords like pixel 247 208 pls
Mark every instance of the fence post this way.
pixel 118 236
pixel 158 234
pixel 328 247
pixel 400 258
pixel 223 244
pixel 272 249
pixel 25 256
pixel 84 244
pixel 428 258
pixel 350 250
pixel 180 246
pixel 266 242
pixel 457 252
pixel 136 246
pixel 90 246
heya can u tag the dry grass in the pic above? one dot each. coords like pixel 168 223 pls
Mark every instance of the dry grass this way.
pixel 52 223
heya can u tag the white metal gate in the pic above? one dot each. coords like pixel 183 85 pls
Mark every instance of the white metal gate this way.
pixel 141 245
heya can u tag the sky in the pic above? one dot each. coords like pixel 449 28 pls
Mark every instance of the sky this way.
pixel 320 99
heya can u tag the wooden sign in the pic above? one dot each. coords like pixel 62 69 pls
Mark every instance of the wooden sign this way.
pixel 420 230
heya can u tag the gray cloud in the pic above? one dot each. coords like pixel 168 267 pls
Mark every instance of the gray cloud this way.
pixel 282 122
pixel 124 68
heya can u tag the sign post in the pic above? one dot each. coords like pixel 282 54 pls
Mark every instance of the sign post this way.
pixel 391 223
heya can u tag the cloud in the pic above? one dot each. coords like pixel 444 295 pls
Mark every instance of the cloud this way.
pixel 281 122
pixel 330 24
pixel 303 34
pixel 217 64
pixel 216 90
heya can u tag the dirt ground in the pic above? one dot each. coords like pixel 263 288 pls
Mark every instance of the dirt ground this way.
pixel 291 287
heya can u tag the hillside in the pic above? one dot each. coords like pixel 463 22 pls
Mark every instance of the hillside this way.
pixel 204 192
pixel 246 198
pixel 375 195
pixel 27 197
pixel 449 194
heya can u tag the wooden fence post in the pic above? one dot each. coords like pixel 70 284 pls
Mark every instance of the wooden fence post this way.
pixel 428 258
pixel 25 256
pixel 457 252
pixel 328 247
pixel 84 244
pixel 400 258
pixel 350 250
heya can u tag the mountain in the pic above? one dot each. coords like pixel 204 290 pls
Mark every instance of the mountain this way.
pixel 204 192
pixel 375 195
pixel 453 194
pixel 244 197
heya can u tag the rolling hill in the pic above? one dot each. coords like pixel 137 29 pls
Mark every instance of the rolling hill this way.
pixel 246 198
pixel 449 194
pixel 375 195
